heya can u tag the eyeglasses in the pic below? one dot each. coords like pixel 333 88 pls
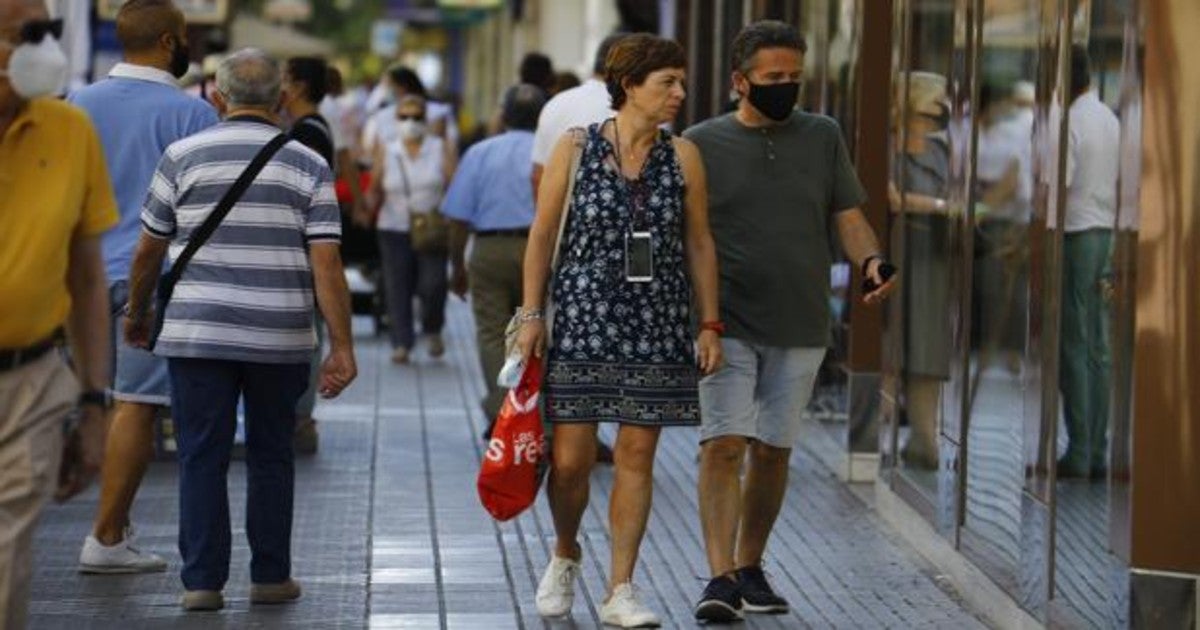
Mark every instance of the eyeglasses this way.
pixel 35 31
pixel 416 117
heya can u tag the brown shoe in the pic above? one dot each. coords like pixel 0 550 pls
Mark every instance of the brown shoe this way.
pixel 279 593
pixel 400 356
pixel 203 600
pixel 437 346
pixel 305 439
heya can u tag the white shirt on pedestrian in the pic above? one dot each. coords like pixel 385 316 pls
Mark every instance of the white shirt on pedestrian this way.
pixel 411 185
pixel 331 110
pixel 1093 165
pixel 579 106
pixel 1006 142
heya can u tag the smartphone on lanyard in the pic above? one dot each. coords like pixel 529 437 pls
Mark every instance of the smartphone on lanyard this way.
pixel 639 240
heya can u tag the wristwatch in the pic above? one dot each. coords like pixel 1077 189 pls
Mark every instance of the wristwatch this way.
pixel 98 397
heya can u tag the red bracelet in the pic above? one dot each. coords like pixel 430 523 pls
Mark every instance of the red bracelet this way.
pixel 717 327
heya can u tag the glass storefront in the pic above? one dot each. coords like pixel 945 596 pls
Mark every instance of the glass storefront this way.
pixel 1001 343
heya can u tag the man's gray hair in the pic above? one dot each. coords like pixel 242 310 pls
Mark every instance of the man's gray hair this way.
pixel 764 34
pixel 249 78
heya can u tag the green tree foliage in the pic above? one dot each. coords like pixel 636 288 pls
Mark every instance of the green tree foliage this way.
pixel 346 23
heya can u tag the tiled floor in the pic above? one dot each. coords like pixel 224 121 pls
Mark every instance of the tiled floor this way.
pixel 389 532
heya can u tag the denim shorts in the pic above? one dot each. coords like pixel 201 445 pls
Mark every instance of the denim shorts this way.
pixel 138 376
pixel 759 392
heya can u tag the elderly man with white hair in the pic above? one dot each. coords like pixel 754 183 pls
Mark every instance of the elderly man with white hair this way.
pixel 239 321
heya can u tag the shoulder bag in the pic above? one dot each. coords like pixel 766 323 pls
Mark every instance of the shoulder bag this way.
pixel 579 137
pixel 429 231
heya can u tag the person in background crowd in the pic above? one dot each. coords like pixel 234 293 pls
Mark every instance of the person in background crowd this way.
pixel 537 70
pixel 345 120
pixel 577 107
pixel 381 126
pixel 588 104
pixel 490 197
pixel 303 87
pixel 1003 203
pixel 138 111
pixel 56 200
pixel 919 188
pixel 226 336
pixel 564 81
pixel 623 349
pixel 409 177
pixel 780 184
pixel 1085 363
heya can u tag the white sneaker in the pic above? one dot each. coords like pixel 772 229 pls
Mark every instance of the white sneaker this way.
pixel 123 557
pixel 556 591
pixel 625 609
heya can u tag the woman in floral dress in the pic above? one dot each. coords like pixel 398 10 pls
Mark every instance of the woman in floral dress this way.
pixel 623 349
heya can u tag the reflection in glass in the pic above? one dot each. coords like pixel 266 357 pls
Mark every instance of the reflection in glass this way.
pixel 918 192
pixel 1002 192
pixel 1083 559
pixel 922 157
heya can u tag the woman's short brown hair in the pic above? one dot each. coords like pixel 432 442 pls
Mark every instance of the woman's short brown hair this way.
pixel 634 57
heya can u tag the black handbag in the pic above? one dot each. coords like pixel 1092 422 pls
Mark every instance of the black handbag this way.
pixel 166 282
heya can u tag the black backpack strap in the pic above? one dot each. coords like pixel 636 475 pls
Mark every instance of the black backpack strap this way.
pixel 218 213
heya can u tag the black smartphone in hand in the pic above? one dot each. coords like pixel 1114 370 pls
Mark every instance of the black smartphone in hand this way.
pixel 886 271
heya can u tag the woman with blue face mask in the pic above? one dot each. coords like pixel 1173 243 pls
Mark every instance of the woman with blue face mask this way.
pixel 410 173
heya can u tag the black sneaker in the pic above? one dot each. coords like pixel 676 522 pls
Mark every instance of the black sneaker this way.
pixel 721 601
pixel 757 595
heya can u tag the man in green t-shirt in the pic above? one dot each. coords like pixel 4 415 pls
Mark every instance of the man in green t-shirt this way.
pixel 777 180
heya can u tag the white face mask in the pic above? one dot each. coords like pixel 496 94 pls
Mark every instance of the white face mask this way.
pixel 411 129
pixel 36 70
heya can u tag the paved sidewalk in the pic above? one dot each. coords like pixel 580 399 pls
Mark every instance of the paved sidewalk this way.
pixel 389 532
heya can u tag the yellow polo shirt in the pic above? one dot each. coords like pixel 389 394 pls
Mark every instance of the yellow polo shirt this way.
pixel 53 184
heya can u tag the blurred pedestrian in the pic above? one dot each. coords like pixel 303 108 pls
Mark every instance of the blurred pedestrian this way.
pixel 381 126
pixel 408 180
pixel 535 70
pixel 564 81
pixel 919 188
pixel 490 198
pixel 635 256
pixel 303 89
pixel 138 111
pixel 781 183
pixel 1085 360
pixel 56 200
pixel 240 323
pixel 577 107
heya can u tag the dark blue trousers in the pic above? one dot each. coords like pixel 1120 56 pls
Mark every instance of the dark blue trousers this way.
pixel 204 398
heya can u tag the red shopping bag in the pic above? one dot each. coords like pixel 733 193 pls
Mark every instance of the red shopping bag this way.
pixel 515 461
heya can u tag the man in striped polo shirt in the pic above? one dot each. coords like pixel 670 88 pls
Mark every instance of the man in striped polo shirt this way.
pixel 240 323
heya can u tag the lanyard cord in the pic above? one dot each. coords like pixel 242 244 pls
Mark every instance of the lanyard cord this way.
pixel 637 210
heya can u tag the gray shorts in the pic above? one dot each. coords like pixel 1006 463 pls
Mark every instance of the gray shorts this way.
pixel 138 376
pixel 759 392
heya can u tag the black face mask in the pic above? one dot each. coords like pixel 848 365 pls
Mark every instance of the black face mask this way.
pixel 179 61
pixel 776 101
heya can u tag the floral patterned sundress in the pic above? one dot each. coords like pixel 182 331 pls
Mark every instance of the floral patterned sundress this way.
pixel 623 351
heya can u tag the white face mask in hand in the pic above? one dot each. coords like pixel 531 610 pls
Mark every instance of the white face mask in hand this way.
pixel 411 129
pixel 36 70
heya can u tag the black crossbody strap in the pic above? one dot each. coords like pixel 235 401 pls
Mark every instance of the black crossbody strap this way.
pixel 223 207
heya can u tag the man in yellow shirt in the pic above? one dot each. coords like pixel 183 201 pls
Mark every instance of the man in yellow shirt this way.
pixel 55 200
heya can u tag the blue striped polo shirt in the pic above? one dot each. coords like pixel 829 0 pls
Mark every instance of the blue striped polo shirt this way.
pixel 247 293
